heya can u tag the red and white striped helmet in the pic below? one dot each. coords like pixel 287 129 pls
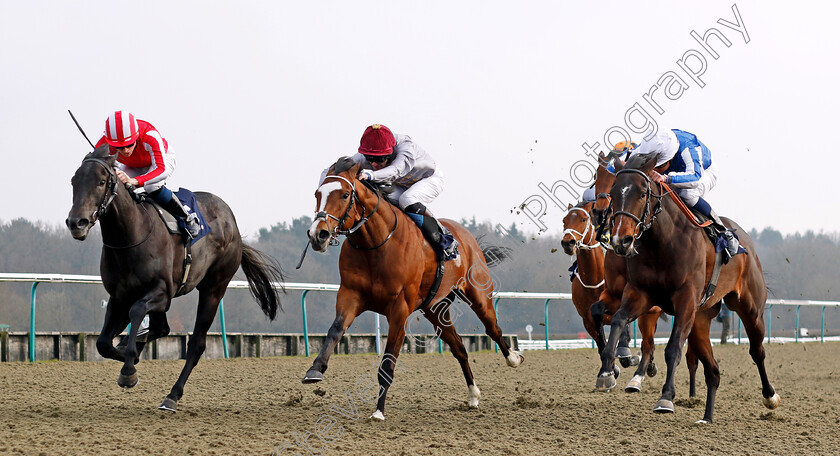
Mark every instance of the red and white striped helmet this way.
pixel 121 129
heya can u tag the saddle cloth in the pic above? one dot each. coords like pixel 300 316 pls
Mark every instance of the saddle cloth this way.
pixel 176 225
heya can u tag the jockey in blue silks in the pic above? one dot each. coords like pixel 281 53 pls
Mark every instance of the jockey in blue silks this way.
pixel 685 163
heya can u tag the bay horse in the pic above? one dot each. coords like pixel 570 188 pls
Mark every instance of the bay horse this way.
pixel 615 271
pixel 387 266
pixel 591 286
pixel 669 262
pixel 142 266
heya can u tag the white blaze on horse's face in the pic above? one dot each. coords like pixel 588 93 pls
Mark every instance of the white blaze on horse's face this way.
pixel 321 196
pixel 324 193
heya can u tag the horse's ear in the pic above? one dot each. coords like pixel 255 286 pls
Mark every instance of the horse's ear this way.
pixel 618 165
pixel 570 206
pixel 356 169
pixel 648 166
pixel 103 151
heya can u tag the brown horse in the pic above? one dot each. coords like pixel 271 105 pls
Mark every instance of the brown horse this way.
pixel 606 303
pixel 669 262
pixel 387 266
pixel 616 271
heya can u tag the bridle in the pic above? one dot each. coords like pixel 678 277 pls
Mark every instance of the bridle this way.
pixel 354 197
pixel 580 242
pixel 603 219
pixel 108 197
pixel 589 226
pixel 110 189
pixel 648 215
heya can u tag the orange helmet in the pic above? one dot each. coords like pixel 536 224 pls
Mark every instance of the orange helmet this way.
pixel 624 146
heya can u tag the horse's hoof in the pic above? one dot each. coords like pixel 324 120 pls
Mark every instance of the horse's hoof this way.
pixel 664 406
pixel 703 421
pixel 313 376
pixel 168 404
pixel 605 382
pixel 652 370
pixel 378 416
pixel 635 384
pixel 616 371
pixel 772 402
pixel 625 362
pixel 474 396
pixel 635 360
pixel 623 352
pixel 514 358
pixel 128 381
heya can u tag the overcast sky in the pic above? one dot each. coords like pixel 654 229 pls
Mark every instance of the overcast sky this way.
pixel 256 98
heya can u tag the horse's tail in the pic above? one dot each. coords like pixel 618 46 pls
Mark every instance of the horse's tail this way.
pixel 495 254
pixel 260 270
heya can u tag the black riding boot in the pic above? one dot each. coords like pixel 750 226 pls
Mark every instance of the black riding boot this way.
pixel 704 208
pixel 731 240
pixel 175 208
pixel 441 239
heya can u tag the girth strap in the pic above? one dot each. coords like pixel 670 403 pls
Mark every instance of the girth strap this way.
pixel 435 285
pixel 712 285
pixel 187 265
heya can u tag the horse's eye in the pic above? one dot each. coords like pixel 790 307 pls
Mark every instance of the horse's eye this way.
pixel 102 182
pixel 642 196
pixel 345 195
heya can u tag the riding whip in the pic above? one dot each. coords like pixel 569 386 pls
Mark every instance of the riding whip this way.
pixel 303 255
pixel 80 128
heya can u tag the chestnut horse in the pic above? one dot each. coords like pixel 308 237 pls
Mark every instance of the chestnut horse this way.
pixel 387 266
pixel 600 286
pixel 142 266
pixel 669 262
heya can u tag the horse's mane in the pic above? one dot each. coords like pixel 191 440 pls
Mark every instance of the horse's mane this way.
pixel 639 160
pixel 343 164
pixel 103 152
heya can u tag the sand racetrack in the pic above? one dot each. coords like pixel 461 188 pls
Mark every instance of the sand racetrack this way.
pixel 546 406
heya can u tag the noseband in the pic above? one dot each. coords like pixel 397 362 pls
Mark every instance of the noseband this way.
pixel 642 224
pixel 110 189
pixel 574 232
pixel 354 196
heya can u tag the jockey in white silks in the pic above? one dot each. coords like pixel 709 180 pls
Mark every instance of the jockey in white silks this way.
pixel 397 160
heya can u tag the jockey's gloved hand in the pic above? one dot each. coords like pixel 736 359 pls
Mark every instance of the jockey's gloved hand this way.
pixel 366 174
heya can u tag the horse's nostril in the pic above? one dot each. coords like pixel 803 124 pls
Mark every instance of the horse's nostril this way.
pixel 323 235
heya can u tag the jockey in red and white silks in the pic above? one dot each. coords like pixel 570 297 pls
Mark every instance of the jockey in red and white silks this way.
pixel 151 162
pixel 145 161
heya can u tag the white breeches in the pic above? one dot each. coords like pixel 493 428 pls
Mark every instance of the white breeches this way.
pixel 423 191
pixel 706 182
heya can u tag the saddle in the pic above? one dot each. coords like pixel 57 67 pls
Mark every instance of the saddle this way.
pixel 169 220
pixel 176 225
pixel 714 233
